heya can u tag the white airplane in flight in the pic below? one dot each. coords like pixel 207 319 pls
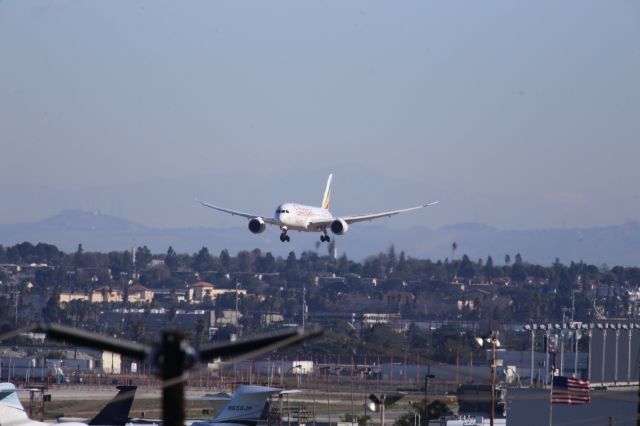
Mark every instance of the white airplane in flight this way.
pixel 298 217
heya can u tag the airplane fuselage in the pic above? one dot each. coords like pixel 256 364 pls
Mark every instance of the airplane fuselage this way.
pixel 299 217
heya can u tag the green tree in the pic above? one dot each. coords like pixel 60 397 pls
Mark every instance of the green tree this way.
pixel 466 269
pixel 266 263
pixel 171 259
pixel 78 257
pixel 52 312
pixel 143 257
pixel 392 259
pixel 203 261
pixel 245 261
pixel 488 269
pixel 518 272
pixel 225 260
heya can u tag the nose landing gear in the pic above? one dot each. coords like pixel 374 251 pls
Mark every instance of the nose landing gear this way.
pixel 284 237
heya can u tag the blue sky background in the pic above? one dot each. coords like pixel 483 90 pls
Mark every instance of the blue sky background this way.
pixel 513 113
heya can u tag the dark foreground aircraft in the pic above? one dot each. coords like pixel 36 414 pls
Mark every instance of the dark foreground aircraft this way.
pixel 115 413
pixel 173 356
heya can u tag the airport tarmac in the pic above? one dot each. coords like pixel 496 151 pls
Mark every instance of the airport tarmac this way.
pixel 86 401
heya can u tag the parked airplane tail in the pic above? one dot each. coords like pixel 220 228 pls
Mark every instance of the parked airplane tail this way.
pixel 327 194
pixel 11 409
pixel 116 412
pixel 248 406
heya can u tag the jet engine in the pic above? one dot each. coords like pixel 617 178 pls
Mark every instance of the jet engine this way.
pixel 339 226
pixel 256 225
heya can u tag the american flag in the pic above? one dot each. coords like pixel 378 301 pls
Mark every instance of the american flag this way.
pixel 570 391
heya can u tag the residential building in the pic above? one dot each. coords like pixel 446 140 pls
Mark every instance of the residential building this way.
pixel 106 294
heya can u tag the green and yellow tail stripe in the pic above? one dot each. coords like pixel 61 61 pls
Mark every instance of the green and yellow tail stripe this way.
pixel 327 194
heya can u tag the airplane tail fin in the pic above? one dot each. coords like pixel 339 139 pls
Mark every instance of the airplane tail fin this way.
pixel 253 402
pixel 327 194
pixel 116 412
pixel 11 409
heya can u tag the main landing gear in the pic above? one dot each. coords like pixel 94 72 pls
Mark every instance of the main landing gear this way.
pixel 284 237
pixel 325 237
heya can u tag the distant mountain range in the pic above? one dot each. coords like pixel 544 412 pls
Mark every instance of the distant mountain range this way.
pixel 613 245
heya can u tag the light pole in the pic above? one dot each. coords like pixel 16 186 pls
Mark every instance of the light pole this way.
pixel 590 334
pixel 547 335
pixel 287 372
pixel 628 328
pixel 615 376
pixel 561 329
pixel 495 343
pixel 531 328
pixel 576 331
pixel 604 347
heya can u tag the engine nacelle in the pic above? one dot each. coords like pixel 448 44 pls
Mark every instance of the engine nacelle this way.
pixel 339 226
pixel 256 225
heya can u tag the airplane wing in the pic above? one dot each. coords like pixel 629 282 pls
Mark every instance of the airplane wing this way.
pixel 268 220
pixel 371 216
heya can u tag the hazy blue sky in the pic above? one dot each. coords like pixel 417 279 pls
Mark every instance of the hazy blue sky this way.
pixel 518 114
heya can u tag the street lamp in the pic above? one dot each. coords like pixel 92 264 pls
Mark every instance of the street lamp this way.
pixel 531 328
pixel 576 335
pixel 547 334
pixel 374 402
pixel 287 372
pixel 492 339
pixel 590 334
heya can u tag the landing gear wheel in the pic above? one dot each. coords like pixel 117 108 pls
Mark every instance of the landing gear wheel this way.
pixel 287 239
pixel 284 237
pixel 325 237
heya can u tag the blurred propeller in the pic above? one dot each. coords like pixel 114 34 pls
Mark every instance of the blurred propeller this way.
pixel 173 356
